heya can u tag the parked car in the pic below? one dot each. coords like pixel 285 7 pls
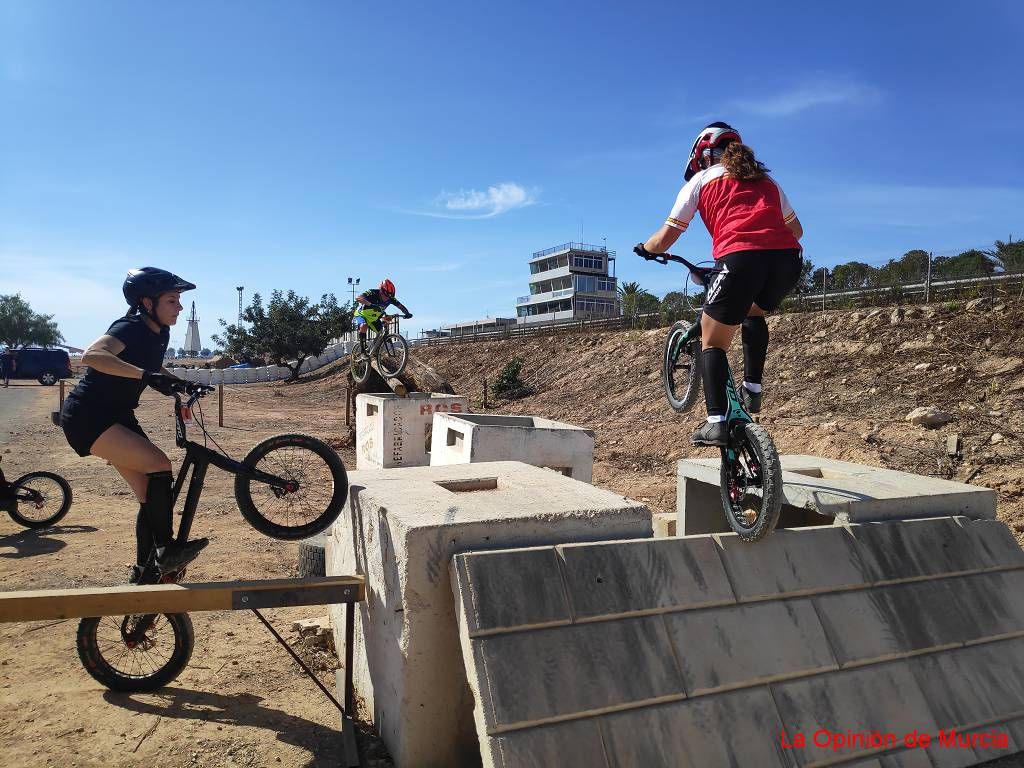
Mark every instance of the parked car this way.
pixel 48 366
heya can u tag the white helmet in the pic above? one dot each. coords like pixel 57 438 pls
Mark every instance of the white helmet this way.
pixel 715 136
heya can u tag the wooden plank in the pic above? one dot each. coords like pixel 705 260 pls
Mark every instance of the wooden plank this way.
pixel 52 604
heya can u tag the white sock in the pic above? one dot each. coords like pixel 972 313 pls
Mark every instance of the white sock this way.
pixel 755 388
pixel 715 419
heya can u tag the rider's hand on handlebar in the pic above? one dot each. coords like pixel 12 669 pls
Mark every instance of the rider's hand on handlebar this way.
pixel 162 383
pixel 407 316
pixel 641 250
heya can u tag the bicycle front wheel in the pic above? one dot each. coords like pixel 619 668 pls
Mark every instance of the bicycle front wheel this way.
pixel 751 483
pixel 360 365
pixel 393 355
pixel 311 497
pixel 41 499
pixel 135 654
pixel 681 368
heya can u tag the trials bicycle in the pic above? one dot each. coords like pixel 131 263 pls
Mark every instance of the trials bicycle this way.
pixel 35 500
pixel 288 487
pixel 389 348
pixel 751 472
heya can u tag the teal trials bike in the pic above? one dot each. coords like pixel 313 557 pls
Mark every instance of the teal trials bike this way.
pixel 751 473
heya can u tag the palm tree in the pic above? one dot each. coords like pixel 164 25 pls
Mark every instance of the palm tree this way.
pixel 630 297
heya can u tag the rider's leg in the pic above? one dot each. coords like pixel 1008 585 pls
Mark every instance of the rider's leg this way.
pixel 715 339
pixel 755 351
pixel 131 453
pixel 143 534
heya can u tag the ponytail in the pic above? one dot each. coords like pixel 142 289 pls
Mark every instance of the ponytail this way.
pixel 740 163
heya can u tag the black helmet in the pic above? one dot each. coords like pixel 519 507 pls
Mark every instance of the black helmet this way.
pixel 151 282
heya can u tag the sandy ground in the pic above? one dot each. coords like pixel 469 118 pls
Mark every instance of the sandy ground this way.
pixel 241 701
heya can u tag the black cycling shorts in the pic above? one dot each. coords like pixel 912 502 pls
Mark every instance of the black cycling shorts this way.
pixel 744 278
pixel 83 423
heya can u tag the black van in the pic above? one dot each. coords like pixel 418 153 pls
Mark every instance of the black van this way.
pixel 48 366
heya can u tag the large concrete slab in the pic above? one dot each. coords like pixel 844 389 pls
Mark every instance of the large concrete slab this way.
pixel 817 491
pixel 393 431
pixel 473 438
pixel 400 530
pixel 705 650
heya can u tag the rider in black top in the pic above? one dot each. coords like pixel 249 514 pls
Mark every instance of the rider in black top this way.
pixel 98 415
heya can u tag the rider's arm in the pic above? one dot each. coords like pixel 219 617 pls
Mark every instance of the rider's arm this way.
pixel 361 298
pixel 102 355
pixel 794 227
pixel 663 239
pixel 400 305
pixel 678 218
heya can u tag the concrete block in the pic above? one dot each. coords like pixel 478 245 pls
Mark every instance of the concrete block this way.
pixel 400 529
pixel 524 589
pixel 393 431
pixel 618 578
pixel 575 670
pixel 889 622
pixel 473 438
pixel 994 541
pixel 664 524
pixel 722 731
pixel 884 698
pixel 792 562
pixel 574 744
pixel 717 649
pixel 914 549
pixel 847 492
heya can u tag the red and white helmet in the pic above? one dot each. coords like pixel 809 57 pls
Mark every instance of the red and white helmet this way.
pixel 715 136
pixel 387 286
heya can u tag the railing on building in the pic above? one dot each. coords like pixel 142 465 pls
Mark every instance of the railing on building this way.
pixel 573 247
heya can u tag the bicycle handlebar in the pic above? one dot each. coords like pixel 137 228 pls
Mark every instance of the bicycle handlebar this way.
pixel 664 258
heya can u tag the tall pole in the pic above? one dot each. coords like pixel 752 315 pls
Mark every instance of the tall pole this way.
pixel 928 280
pixel 823 289
pixel 353 282
pixel 240 288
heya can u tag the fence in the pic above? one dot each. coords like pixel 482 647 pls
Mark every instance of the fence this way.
pixel 1004 284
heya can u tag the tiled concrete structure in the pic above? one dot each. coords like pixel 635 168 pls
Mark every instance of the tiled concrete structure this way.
pixel 817 491
pixel 466 439
pixel 393 431
pixel 709 652
pixel 400 530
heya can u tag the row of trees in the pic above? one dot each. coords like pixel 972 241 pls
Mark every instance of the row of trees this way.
pixel 21 327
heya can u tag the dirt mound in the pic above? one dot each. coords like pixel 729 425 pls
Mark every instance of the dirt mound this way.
pixel 838 384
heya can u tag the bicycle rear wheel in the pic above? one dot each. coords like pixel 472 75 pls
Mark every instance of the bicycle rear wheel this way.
pixel 681 368
pixel 41 499
pixel 315 490
pixel 134 654
pixel 751 483
pixel 393 355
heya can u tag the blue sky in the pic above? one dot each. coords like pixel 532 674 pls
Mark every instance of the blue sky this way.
pixel 291 145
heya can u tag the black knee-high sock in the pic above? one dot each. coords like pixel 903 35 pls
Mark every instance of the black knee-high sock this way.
pixel 143 537
pixel 755 348
pixel 714 375
pixel 158 506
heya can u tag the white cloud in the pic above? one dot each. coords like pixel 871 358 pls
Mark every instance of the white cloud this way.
pixel 474 204
pixel 819 91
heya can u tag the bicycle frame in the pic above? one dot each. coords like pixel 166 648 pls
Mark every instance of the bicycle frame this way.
pixel 198 459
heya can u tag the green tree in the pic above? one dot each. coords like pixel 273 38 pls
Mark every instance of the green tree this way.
pixel 852 275
pixel 806 282
pixel 634 298
pixel 205 352
pixel 1010 254
pixel 285 332
pixel 20 326
pixel 972 263
pixel 675 306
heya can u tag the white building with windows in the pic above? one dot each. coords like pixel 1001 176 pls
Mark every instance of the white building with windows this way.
pixel 570 282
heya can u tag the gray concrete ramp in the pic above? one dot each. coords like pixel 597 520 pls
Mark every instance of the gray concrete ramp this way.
pixel 816 646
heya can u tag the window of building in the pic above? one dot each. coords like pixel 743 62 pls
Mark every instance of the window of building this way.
pixel 588 262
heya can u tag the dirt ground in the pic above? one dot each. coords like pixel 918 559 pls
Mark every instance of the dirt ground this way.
pixel 839 385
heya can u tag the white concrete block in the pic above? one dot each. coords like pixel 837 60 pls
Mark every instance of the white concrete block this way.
pixel 816 490
pixel 400 530
pixel 475 438
pixel 202 375
pixel 393 431
pixel 230 376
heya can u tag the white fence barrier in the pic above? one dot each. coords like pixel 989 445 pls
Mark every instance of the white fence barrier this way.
pixel 264 373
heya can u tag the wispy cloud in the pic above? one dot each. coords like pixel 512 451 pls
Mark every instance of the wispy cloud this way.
pixel 474 204
pixel 816 92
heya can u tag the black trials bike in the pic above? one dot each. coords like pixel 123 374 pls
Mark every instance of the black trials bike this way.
pixel 288 487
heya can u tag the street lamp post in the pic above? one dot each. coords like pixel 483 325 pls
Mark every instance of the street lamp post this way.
pixel 353 283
